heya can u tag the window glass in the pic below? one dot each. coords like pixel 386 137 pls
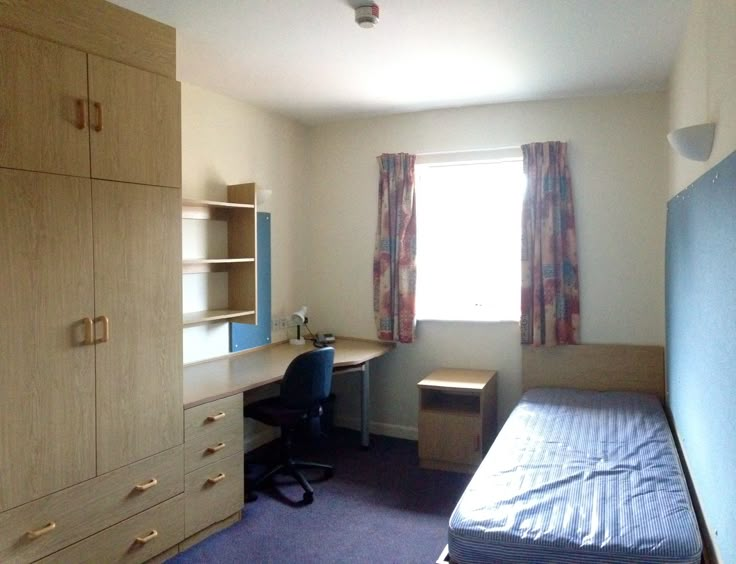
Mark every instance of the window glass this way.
pixel 469 240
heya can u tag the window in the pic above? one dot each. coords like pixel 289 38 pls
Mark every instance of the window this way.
pixel 469 239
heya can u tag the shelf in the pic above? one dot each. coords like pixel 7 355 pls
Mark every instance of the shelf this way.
pixel 239 262
pixel 210 209
pixel 196 317
pixel 195 266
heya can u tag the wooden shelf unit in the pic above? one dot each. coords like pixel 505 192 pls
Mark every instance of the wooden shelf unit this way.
pixel 239 211
pixel 457 418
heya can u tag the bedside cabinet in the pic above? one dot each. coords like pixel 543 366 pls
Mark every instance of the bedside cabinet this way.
pixel 457 418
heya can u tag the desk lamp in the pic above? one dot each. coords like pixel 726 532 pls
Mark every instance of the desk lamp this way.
pixel 299 318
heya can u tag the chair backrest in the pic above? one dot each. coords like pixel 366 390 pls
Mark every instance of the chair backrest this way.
pixel 308 378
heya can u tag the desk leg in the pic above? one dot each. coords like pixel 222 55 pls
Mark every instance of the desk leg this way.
pixel 364 398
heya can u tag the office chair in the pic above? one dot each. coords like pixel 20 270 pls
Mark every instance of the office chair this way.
pixel 305 386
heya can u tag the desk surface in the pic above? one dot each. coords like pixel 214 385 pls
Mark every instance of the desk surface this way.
pixel 215 379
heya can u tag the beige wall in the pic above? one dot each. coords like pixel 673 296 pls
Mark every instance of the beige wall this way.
pixel 703 85
pixel 225 141
pixel 618 157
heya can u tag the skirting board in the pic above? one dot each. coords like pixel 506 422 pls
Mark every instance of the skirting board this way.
pixel 377 428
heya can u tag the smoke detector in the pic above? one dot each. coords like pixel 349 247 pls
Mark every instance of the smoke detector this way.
pixel 366 15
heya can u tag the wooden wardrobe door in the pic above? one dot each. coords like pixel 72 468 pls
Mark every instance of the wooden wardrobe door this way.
pixel 43 105
pixel 135 124
pixel 47 382
pixel 137 233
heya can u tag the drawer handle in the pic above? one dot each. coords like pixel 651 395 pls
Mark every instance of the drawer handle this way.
pixel 42 531
pixel 150 536
pixel 216 417
pixel 218 478
pixel 146 485
pixel 218 446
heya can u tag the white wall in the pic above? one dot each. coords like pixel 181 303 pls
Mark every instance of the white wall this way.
pixel 618 158
pixel 703 85
pixel 225 141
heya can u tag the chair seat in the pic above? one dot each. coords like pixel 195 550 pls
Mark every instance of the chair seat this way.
pixel 272 411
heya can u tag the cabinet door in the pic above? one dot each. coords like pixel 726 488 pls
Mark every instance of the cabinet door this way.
pixel 47 383
pixel 450 437
pixel 135 120
pixel 43 100
pixel 137 231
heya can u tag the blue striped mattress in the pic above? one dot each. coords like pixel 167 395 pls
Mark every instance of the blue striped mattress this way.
pixel 578 476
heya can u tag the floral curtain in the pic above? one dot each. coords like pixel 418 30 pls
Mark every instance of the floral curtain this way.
pixel 394 267
pixel 550 295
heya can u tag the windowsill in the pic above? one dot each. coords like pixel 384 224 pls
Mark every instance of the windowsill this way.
pixel 456 320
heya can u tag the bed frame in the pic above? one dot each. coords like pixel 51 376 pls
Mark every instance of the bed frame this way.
pixel 623 368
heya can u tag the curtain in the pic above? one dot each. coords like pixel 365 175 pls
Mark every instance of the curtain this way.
pixel 394 266
pixel 550 294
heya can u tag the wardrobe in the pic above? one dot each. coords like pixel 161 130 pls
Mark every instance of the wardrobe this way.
pixel 91 421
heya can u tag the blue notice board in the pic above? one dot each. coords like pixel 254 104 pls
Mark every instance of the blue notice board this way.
pixel 701 342
pixel 247 336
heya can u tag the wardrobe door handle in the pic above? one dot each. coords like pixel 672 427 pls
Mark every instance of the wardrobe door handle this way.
pixel 80 114
pixel 98 116
pixel 105 329
pixel 218 446
pixel 150 536
pixel 89 331
pixel 146 485
pixel 216 417
pixel 218 478
pixel 42 531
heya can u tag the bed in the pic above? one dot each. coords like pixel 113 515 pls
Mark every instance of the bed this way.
pixel 584 470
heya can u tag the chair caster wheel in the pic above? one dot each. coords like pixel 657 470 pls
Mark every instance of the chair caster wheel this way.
pixel 307 498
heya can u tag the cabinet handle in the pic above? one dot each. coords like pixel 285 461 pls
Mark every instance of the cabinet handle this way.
pixel 80 114
pixel 218 478
pixel 105 328
pixel 150 536
pixel 98 114
pixel 218 446
pixel 42 531
pixel 216 417
pixel 146 485
pixel 89 329
pixel 477 443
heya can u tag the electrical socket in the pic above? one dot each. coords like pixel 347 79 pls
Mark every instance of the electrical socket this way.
pixel 279 323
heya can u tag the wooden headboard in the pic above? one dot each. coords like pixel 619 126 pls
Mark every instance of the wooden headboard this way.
pixel 630 368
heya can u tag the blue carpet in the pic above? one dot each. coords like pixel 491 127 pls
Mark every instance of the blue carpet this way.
pixel 378 507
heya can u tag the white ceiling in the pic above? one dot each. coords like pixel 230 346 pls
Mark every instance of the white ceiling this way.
pixel 307 59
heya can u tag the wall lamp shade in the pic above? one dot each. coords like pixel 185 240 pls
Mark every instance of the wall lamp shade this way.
pixel 299 318
pixel 694 142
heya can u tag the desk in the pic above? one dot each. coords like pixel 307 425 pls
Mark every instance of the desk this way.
pixel 215 379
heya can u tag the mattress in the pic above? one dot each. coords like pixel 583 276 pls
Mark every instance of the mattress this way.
pixel 578 476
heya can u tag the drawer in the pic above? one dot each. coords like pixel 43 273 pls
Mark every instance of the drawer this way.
pixel 450 437
pixel 86 508
pixel 212 416
pixel 213 493
pixel 134 540
pixel 212 446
